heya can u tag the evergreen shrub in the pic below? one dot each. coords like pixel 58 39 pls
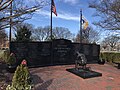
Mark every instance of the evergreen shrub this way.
pixel 21 79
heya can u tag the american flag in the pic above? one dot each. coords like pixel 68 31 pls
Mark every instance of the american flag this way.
pixel 54 8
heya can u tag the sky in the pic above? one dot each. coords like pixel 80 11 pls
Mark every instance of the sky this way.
pixel 68 12
pixel 68 16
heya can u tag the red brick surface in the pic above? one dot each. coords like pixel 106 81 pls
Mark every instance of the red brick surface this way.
pixel 57 78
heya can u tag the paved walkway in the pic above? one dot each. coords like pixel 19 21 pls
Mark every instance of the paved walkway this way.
pixel 57 78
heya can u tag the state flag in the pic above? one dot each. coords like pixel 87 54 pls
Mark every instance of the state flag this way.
pixel 85 23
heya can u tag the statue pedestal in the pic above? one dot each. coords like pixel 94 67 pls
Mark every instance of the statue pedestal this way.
pixel 84 73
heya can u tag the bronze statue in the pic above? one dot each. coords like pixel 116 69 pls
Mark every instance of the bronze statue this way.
pixel 80 60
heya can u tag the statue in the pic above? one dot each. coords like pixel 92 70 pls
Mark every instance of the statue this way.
pixel 83 71
pixel 80 60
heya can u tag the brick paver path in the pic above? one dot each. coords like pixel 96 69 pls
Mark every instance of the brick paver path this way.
pixel 57 78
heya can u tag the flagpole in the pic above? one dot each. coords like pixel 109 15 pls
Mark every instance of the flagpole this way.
pixel 51 23
pixel 51 35
pixel 10 24
pixel 81 26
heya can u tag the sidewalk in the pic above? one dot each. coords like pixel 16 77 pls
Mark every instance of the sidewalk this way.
pixel 57 78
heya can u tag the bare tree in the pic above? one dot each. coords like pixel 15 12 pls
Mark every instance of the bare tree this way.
pixel 89 35
pixel 110 41
pixel 104 45
pixel 61 32
pixel 20 9
pixel 109 11
pixel 41 33
pixel 94 35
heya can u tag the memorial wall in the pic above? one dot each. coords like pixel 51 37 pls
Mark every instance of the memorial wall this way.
pixel 59 51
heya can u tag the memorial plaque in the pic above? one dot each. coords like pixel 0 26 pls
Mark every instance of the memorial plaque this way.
pixel 61 51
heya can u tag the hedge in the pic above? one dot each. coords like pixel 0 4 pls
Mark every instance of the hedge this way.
pixel 110 56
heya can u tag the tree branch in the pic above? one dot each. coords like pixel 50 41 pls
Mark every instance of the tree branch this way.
pixel 5 4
